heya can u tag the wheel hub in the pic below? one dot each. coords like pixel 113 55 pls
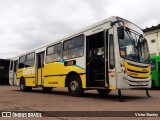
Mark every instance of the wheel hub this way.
pixel 73 85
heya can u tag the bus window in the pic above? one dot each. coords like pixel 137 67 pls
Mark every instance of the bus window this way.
pixel 15 65
pixel 30 60
pixel 11 65
pixel 73 48
pixel 21 62
pixel 54 53
pixel 153 65
pixel 111 52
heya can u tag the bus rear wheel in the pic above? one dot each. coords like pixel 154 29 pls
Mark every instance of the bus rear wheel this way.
pixel 23 86
pixel 103 92
pixel 75 86
pixel 47 89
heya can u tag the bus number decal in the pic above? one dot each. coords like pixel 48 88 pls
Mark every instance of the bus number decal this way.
pixel 52 82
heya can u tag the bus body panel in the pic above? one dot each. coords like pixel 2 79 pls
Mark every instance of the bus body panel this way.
pixel 28 74
pixel 55 73
pixel 39 79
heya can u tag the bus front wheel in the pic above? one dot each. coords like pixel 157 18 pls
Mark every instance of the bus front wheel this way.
pixel 75 86
pixel 103 91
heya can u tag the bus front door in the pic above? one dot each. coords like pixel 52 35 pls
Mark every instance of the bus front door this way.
pixel 40 66
pixel 95 60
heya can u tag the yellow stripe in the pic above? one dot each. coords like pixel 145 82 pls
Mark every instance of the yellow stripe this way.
pixel 140 75
pixel 138 69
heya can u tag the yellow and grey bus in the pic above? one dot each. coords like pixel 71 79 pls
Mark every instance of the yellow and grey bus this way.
pixel 108 55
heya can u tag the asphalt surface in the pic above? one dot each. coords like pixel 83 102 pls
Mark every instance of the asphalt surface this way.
pixel 12 99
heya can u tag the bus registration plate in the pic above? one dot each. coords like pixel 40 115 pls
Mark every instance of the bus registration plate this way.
pixel 139 83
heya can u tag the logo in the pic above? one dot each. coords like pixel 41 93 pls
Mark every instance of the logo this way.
pixel 144 70
pixel 27 71
pixel 21 114
pixel 6 114
pixel 133 74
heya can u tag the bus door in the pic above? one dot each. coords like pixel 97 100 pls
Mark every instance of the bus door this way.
pixel 12 72
pixel 40 67
pixel 15 65
pixel 95 59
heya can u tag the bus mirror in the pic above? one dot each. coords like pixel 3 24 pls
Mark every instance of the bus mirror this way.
pixel 121 32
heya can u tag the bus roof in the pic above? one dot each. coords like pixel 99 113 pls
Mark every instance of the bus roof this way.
pixel 110 19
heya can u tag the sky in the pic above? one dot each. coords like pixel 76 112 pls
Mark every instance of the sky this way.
pixel 28 24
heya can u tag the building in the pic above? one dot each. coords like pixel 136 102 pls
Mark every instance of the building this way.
pixel 152 35
pixel 4 71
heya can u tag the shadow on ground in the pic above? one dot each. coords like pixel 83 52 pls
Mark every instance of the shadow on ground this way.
pixel 110 97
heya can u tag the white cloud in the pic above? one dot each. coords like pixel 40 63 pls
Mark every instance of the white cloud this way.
pixel 27 24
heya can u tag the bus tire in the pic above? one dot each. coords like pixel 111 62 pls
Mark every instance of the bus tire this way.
pixel 75 86
pixel 47 89
pixel 23 86
pixel 103 92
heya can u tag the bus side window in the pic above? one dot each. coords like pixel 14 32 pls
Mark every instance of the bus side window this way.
pixel 74 47
pixel 22 62
pixel 11 65
pixel 54 53
pixel 15 65
pixel 30 60
pixel 111 52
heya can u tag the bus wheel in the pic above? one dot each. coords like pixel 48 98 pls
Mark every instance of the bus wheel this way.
pixel 75 86
pixel 23 86
pixel 47 89
pixel 103 92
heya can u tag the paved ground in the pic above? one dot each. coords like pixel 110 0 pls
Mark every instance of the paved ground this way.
pixel 12 99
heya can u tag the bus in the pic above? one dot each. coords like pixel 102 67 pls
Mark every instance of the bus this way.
pixel 108 55
pixel 155 71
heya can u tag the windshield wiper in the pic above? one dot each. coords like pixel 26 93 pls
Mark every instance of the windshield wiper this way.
pixel 139 45
pixel 141 42
pixel 130 36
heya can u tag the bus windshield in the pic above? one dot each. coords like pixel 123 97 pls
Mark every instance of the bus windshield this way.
pixel 134 47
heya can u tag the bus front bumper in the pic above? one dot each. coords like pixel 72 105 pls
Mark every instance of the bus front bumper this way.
pixel 127 82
